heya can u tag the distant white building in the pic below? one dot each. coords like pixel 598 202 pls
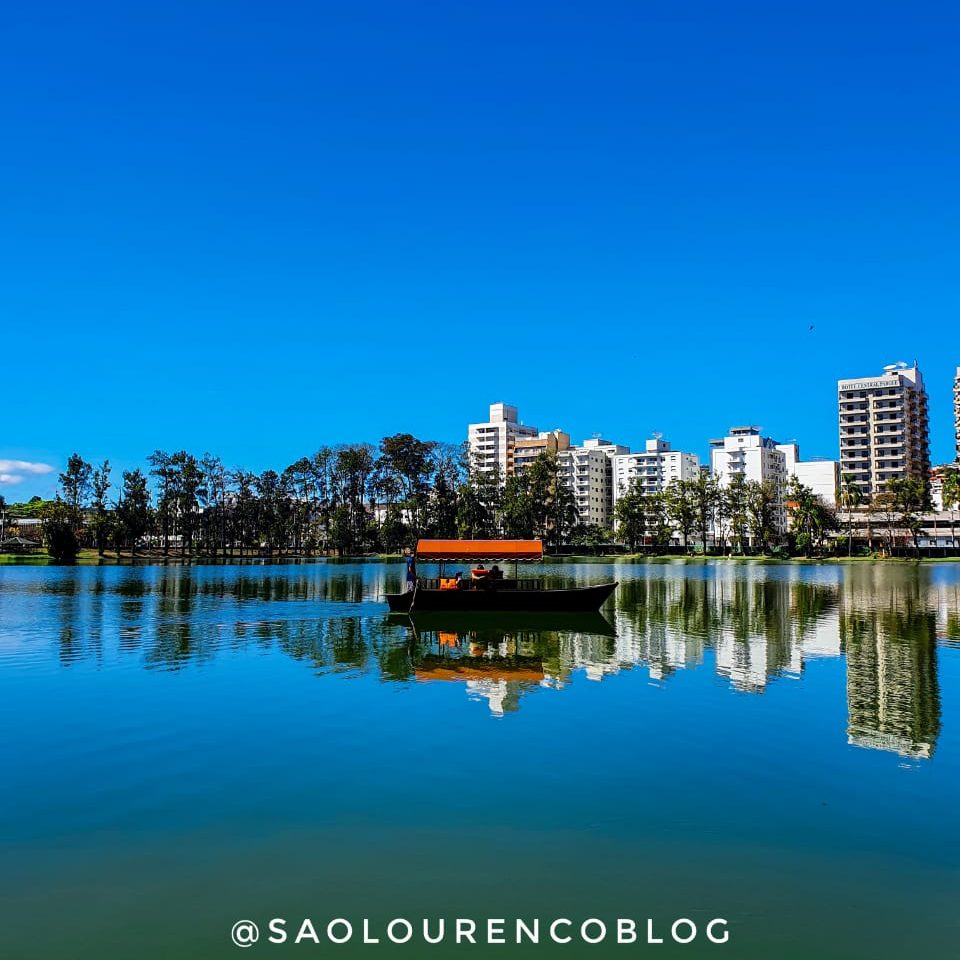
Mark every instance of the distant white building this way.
pixel 492 443
pixel 652 469
pixel 821 476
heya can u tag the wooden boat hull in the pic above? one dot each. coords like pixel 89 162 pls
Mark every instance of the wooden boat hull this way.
pixel 561 600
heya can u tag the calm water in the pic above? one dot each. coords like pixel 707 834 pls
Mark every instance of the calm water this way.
pixel 186 747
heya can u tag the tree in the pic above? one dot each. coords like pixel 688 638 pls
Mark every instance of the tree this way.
pixel 910 496
pixel 762 505
pixel 951 499
pixel 350 477
pixel 75 483
pixel 59 531
pixel 735 497
pixel 404 468
pixel 479 504
pixel 630 514
pixel 851 496
pixel 161 468
pixel 394 533
pixel 244 515
pixel 812 519
pixel 658 522
pixel 704 495
pixel 133 509
pixel 274 509
pixel 213 499
pixel 516 507
pixel 186 480
pixel 102 521
pixel 680 510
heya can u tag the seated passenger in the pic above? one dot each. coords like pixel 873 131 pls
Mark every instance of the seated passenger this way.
pixel 479 572
pixel 496 573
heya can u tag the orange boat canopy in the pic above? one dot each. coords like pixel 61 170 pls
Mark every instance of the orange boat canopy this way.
pixel 477 550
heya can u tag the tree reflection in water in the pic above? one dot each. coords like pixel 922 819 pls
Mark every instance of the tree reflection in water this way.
pixel 753 625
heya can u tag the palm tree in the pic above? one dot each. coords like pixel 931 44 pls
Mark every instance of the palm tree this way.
pixel 851 496
pixel 951 499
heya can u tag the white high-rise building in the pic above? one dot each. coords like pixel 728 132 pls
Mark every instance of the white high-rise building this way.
pixel 746 453
pixel 587 471
pixel 884 427
pixel 652 469
pixel 956 412
pixel 492 443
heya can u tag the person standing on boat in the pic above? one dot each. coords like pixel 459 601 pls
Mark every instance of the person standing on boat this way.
pixel 411 572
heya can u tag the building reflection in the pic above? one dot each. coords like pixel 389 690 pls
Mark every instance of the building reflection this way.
pixel 757 629
pixel 890 641
pixel 749 626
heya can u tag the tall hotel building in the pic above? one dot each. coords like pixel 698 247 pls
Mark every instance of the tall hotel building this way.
pixel 492 444
pixel 956 412
pixel 884 428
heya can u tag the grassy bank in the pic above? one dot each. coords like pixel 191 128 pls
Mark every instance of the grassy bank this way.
pixel 124 558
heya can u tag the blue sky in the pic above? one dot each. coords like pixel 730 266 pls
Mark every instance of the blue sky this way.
pixel 255 228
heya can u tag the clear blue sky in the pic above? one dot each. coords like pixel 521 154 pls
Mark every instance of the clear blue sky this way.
pixel 254 228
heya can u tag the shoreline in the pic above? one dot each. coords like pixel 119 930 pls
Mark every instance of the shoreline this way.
pixel 90 558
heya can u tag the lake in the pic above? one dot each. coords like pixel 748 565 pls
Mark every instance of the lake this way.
pixel 187 747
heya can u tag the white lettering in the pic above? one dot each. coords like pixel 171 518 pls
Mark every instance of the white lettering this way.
pixel 626 930
pixel 553 930
pixel 277 927
pixel 676 936
pixel 533 935
pixel 338 922
pixel 650 937
pixel 599 924
pixel 426 931
pixel 495 930
pixel 718 922
pixel 306 931
pixel 465 929
pixel 399 922
pixel 366 933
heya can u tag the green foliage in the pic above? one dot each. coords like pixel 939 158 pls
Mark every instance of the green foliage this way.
pixel 133 514
pixel 59 531
pixel 75 483
pixel 630 514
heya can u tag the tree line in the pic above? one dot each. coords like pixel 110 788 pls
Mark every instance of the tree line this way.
pixel 361 498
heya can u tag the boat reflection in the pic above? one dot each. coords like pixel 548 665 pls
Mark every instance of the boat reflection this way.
pixel 497 657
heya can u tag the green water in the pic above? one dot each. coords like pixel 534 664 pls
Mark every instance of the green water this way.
pixel 184 748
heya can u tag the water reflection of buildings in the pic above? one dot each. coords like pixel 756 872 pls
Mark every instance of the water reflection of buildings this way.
pixel 890 639
pixel 753 624
pixel 757 628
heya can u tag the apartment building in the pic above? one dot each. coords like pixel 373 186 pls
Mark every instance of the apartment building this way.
pixel 587 471
pixel 526 450
pixel 492 443
pixel 956 413
pixel 884 427
pixel 747 453
pixel 652 469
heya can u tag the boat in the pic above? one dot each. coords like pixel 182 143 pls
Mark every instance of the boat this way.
pixel 487 589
